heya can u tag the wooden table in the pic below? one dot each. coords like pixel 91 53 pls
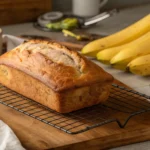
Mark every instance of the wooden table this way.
pixel 34 134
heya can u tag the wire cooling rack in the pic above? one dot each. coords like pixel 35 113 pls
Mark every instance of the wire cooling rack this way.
pixel 122 102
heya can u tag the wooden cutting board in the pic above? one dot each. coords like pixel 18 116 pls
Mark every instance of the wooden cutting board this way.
pixel 34 134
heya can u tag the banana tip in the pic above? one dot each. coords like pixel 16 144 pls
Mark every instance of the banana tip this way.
pixel 128 69
pixel 112 62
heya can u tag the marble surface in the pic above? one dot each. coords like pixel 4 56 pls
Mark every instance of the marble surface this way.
pixel 106 27
pixel 138 83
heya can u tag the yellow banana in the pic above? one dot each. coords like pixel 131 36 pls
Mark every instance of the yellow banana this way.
pixel 126 55
pixel 124 36
pixel 140 65
pixel 107 54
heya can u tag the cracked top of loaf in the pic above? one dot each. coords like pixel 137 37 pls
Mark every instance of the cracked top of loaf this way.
pixel 54 65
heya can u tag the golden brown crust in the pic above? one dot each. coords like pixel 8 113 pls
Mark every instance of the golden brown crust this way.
pixel 29 87
pixel 56 66
pixel 63 102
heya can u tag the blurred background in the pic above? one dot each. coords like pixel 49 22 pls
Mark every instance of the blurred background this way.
pixel 19 11
pixel 66 5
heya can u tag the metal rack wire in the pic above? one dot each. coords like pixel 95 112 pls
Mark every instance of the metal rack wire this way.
pixel 125 101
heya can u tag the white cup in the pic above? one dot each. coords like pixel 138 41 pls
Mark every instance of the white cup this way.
pixel 87 8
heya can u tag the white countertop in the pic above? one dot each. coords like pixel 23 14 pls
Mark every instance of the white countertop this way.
pixel 109 26
pixel 138 83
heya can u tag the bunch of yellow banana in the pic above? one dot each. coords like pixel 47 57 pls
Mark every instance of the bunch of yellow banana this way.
pixel 124 36
pixel 122 47
pixel 131 51
pixel 106 55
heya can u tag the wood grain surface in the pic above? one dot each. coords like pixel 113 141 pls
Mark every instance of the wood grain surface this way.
pixel 36 135
pixel 19 11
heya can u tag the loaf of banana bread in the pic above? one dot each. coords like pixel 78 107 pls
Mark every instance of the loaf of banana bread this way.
pixel 54 76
